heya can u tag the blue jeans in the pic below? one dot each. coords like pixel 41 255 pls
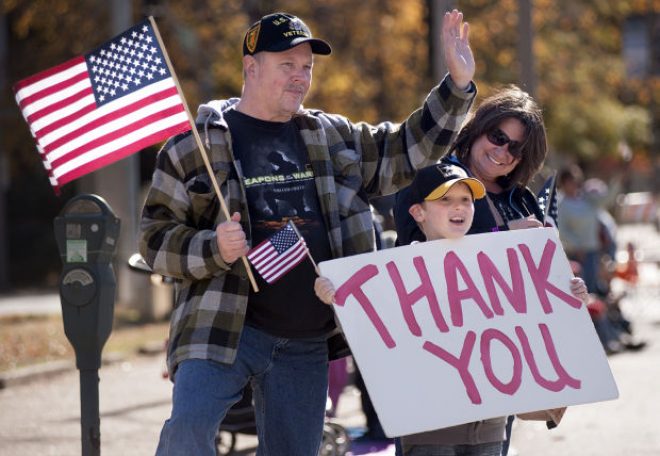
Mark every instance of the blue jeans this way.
pixel 590 268
pixel 289 378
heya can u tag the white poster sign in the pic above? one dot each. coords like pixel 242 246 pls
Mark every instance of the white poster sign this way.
pixel 453 331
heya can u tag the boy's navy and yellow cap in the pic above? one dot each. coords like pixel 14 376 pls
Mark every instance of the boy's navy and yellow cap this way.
pixel 433 182
pixel 279 32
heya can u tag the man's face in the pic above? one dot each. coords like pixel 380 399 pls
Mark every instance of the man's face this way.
pixel 282 80
pixel 449 217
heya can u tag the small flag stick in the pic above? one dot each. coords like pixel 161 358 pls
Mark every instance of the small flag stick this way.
pixel 309 255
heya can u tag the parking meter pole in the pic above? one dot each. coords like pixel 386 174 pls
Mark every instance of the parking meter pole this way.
pixel 90 422
pixel 86 232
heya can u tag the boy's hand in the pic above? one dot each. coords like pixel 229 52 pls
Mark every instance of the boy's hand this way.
pixel 324 290
pixel 579 289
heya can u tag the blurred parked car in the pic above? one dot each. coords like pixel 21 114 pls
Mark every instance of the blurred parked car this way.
pixel 639 207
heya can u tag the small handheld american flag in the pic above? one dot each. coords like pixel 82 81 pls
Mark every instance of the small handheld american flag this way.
pixel 102 106
pixel 278 254
pixel 547 199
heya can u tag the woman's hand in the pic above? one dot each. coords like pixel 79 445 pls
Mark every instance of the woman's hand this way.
pixel 523 223
pixel 579 289
pixel 325 290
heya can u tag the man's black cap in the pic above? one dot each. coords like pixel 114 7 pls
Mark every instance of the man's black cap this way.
pixel 279 32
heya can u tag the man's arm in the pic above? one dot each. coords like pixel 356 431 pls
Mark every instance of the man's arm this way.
pixel 168 241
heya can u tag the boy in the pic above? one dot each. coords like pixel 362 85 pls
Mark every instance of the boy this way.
pixel 442 199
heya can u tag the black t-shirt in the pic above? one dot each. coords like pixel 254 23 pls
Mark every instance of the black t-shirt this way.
pixel 279 184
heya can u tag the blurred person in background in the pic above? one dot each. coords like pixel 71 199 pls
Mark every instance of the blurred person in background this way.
pixel 587 231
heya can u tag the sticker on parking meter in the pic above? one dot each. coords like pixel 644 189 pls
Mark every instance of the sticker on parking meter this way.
pixel 76 251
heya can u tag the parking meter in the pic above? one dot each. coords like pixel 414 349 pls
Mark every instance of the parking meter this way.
pixel 87 232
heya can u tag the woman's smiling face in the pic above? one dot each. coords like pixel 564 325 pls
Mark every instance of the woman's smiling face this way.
pixel 488 161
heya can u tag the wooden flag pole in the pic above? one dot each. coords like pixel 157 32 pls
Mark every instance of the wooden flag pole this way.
pixel 200 145
pixel 309 255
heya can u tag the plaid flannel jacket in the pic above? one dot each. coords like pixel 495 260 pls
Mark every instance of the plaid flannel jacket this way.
pixel 351 162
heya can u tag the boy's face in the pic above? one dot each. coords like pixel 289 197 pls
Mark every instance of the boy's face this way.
pixel 449 217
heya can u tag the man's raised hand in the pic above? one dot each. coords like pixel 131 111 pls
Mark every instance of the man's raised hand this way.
pixel 456 47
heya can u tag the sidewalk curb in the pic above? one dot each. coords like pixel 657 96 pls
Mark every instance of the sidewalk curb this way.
pixel 27 374
pixel 23 375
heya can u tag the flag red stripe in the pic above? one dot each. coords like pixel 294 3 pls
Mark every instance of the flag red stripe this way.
pixel 110 117
pixel 256 249
pixel 276 277
pixel 292 261
pixel 281 261
pixel 263 262
pixel 125 151
pixel 65 120
pixel 117 134
pixel 50 90
pixel 60 104
pixel 267 269
pixel 47 73
pixel 262 252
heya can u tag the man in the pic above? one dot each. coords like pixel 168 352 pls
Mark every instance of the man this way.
pixel 223 336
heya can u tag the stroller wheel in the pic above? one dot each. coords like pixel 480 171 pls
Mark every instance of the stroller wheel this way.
pixel 328 445
pixel 224 443
pixel 335 440
pixel 342 441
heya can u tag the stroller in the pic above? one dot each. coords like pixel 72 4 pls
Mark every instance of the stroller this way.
pixel 240 417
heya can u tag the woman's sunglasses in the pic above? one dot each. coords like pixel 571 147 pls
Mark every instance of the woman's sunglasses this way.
pixel 500 139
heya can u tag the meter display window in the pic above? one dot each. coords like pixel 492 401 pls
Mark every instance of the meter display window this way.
pixel 76 251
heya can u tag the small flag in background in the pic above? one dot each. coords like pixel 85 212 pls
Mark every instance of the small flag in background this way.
pixel 98 108
pixel 278 254
pixel 547 199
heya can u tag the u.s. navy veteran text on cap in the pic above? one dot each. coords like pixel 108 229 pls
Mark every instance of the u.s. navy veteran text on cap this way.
pixel 279 32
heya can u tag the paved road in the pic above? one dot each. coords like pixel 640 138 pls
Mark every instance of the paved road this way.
pixel 41 417
pixel 628 425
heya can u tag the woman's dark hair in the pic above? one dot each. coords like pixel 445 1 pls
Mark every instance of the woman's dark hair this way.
pixel 510 102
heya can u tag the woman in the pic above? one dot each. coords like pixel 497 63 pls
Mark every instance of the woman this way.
pixel 503 145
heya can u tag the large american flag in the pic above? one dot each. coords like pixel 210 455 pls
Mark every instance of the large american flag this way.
pixel 100 107
pixel 547 199
pixel 278 254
